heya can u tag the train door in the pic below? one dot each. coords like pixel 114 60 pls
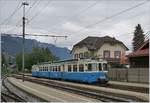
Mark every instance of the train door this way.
pixel 100 66
pixel 63 68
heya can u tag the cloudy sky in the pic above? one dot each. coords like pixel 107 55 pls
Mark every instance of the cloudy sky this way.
pixel 76 19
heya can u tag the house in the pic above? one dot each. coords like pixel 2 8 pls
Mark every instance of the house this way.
pixel 106 47
pixel 140 58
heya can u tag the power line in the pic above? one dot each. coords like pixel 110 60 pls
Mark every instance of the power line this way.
pixel 32 5
pixel 90 6
pixel 79 13
pixel 112 16
pixel 19 21
pixel 13 13
pixel 33 17
pixel 4 34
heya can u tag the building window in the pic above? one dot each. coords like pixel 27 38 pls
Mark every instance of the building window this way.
pixel 76 56
pixel 69 68
pixel 106 54
pixel 81 67
pixel 86 55
pixel 117 54
pixel 81 55
pixel 75 68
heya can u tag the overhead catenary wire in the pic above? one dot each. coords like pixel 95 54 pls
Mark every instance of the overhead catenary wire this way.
pixel 32 5
pixel 80 12
pixel 18 25
pixel 4 34
pixel 11 15
pixel 38 13
pixel 84 10
pixel 112 16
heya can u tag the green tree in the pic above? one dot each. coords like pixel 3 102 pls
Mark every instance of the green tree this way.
pixel 4 61
pixel 138 38
pixel 36 56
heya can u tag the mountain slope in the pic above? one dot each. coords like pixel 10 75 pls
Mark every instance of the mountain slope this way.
pixel 13 45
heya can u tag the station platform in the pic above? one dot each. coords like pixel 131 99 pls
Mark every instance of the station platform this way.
pixel 129 84
pixel 47 93
pixel 142 96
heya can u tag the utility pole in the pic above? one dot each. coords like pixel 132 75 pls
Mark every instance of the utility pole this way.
pixel 23 40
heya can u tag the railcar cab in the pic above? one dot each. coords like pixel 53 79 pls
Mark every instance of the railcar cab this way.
pixel 35 68
pixel 86 66
pixel 95 65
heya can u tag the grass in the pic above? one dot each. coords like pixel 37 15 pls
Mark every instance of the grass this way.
pixel 5 71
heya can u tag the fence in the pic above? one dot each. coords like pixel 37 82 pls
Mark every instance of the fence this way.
pixel 140 75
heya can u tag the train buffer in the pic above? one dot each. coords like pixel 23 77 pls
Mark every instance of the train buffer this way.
pixel 47 93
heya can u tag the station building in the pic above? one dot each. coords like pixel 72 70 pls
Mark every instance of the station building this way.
pixel 107 48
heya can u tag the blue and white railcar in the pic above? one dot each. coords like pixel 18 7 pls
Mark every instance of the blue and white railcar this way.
pixel 83 70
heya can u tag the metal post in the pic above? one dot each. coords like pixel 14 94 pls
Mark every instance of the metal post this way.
pixel 23 40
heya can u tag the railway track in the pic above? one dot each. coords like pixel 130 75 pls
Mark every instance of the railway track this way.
pixel 122 87
pixel 114 86
pixel 105 97
pixel 7 95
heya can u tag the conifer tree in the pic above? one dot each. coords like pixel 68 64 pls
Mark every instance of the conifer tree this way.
pixel 138 38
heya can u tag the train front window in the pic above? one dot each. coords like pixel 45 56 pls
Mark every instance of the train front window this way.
pixel 69 68
pixel 92 67
pixel 100 66
pixel 104 66
pixel 81 67
pixel 75 68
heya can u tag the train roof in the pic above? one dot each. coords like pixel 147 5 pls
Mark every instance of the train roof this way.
pixel 72 60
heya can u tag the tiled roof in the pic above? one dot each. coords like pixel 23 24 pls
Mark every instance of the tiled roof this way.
pixel 142 51
pixel 94 43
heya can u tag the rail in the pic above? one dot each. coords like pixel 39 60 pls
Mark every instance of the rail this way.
pixel 9 95
pixel 106 97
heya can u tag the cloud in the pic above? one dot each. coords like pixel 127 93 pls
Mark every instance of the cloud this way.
pixel 71 18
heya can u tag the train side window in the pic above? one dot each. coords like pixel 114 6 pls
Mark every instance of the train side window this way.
pixel 75 68
pixel 58 68
pixel 54 69
pixel 104 66
pixel 69 68
pixel 94 66
pixel 89 67
pixel 100 67
pixel 81 67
